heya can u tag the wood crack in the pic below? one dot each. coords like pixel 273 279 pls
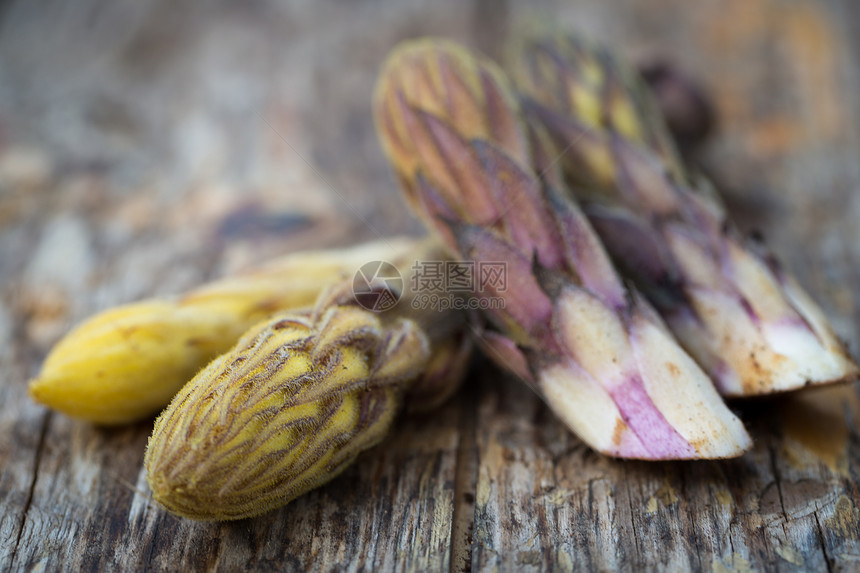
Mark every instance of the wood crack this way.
pixel 636 546
pixel 465 487
pixel 697 555
pixel 778 482
pixel 823 543
pixel 38 458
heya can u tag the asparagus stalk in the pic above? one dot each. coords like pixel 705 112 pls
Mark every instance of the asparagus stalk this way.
pixel 126 363
pixel 743 317
pixel 297 399
pixel 595 351
pixel 684 104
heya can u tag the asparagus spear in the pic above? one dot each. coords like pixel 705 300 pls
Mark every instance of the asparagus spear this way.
pixel 735 309
pixel 595 351
pixel 684 104
pixel 297 399
pixel 126 363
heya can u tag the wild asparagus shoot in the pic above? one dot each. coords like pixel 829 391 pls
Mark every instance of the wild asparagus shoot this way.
pixel 297 399
pixel 743 317
pixel 598 354
pixel 126 363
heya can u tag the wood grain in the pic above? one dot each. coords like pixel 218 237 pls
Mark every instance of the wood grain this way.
pixel 180 142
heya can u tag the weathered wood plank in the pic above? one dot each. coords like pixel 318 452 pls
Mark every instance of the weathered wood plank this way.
pixel 196 146
pixel 91 509
pixel 780 74
pixel 206 140
pixel 544 500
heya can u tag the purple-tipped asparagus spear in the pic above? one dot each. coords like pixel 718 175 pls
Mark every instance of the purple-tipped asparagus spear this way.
pixel 744 318
pixel 596 352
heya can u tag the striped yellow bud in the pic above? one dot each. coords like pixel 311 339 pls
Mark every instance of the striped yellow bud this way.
pixel 126 363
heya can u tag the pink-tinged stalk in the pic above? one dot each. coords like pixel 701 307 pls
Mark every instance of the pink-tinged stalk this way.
pixel 594 350
pixel 747 322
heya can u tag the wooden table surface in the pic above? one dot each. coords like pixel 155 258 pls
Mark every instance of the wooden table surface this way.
pixel 148 146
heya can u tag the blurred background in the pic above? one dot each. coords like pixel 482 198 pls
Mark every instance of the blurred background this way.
pixel 146 145
pixel 222 128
